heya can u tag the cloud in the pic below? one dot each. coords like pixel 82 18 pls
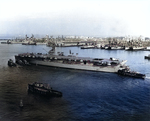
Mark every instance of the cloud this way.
pixel 103 18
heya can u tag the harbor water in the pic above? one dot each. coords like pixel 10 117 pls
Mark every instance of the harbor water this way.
pixel 87 95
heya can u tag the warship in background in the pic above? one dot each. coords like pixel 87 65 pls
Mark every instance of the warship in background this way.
pixel 134 48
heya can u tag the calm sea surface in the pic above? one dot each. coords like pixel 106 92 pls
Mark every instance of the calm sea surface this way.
pixel 87 96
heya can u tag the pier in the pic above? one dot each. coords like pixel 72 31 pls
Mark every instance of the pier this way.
pixel 111 43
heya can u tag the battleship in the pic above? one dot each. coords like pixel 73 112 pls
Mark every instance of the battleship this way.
pixel 70 61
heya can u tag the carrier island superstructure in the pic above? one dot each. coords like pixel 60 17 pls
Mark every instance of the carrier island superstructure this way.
pixel 71 62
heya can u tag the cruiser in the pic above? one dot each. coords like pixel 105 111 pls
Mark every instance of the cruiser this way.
pixel 71 62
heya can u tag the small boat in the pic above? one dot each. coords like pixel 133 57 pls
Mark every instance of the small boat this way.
pixel 127 72
pixel 11 63
pixel 147 57
pixel 43 89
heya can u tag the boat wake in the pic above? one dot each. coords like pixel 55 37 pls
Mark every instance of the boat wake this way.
pixel 147 77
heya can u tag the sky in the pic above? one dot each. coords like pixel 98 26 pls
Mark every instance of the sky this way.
pixel 103 18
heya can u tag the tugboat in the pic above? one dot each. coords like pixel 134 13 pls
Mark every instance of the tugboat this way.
pixel 11 63
pixel 43 89
pixel 127 72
